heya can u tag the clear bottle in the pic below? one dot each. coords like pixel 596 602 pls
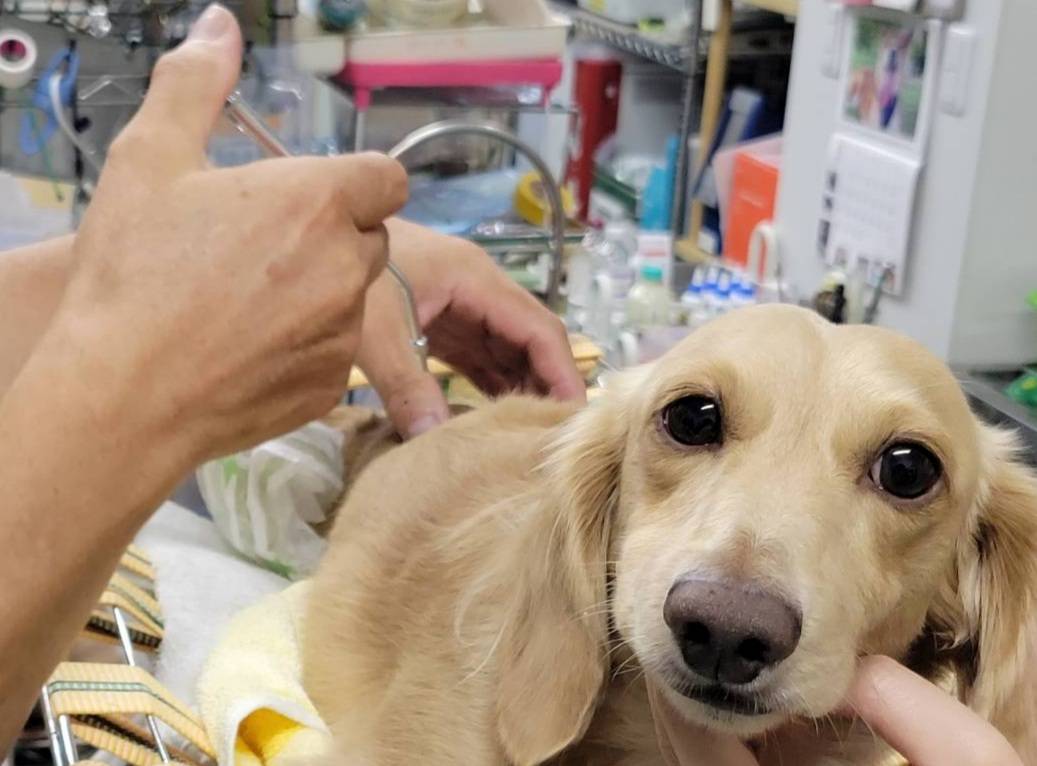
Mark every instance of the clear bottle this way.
pixel 609 253
pixel 648 303
pixel 623 235
pixel 578 280
pixel 599 279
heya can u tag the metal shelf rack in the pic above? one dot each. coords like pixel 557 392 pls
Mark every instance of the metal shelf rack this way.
pixel 673 54
pixel 699 51
pixel 684 56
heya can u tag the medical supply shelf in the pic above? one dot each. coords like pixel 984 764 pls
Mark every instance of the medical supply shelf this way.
pixel 684 56
pixel 698 49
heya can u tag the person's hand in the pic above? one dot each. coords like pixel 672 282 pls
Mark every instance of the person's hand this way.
pixel 923 723
pixel 223 305
pixel 477 320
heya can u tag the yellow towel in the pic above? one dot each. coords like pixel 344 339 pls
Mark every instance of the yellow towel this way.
pixel 250 693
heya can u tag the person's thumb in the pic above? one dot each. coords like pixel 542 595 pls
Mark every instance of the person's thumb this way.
pixel 189 86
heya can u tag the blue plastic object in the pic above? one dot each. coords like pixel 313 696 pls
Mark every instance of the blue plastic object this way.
pixel 32 136
pixel 456 205
pixel 657 206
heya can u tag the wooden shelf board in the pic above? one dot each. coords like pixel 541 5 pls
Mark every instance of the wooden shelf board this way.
pixel 787 7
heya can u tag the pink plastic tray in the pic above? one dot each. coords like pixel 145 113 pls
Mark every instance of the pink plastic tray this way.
pixel 364 78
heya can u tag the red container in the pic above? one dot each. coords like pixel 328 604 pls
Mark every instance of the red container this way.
pixel 754 189
pixel 596 94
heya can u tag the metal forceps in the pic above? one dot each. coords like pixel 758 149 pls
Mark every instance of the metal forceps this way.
pixel 251 124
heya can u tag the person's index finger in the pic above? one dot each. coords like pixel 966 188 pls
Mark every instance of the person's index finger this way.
pixel 518 318
pixel 373 185
pixel 548 350
pixel 553 363
pixel 926 725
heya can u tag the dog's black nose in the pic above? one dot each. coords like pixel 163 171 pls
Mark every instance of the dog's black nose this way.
pixel 728 631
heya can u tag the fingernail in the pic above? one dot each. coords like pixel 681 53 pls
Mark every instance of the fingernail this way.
pixel 422 424
pixel 213 24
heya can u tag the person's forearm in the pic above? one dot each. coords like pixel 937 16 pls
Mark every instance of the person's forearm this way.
pixel 80 471
pixel 32 282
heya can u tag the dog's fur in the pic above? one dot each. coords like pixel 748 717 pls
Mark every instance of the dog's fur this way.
pixel 493 592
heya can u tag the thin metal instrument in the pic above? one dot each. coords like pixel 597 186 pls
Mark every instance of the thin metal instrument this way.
pixel 251 124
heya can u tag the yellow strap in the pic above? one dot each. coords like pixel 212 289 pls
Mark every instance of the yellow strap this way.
pixel 101 627
pixel 132 599
pixel 135 560
pixel 125 740
pixel 83 689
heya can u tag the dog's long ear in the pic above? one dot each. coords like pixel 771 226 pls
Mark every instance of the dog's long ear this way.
pixel 993 609
pixel 553 649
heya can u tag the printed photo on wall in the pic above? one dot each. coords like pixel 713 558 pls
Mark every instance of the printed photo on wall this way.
pixel 886 79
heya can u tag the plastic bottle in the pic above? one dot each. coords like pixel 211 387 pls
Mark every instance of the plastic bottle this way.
pixel 649 301
pixel 600 278
pixel 712 277
pixel 718 299
pixel 623 236
pixel 609 255
pixel 692 300
pixel 579 274
pixel 744 295
pixel 738 277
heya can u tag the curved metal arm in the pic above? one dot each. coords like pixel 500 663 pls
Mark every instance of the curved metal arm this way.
pixel 418 339
pixel 489 130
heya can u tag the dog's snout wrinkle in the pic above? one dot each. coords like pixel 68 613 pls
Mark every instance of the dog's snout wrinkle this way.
pixel 730 631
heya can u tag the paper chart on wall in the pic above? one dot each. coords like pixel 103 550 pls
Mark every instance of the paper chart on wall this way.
pixel 868 207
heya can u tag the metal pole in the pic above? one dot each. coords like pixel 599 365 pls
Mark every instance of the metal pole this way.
pixel 57 750
pixel 678 215
pixel 127 650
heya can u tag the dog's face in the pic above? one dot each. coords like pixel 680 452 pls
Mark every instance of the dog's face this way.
pixel 791 497
pixel 774 498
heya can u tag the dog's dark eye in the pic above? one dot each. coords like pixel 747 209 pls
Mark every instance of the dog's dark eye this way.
pixel 693 421
pixel 906 471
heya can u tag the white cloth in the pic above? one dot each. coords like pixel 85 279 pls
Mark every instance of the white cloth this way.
pixel 251 696
pixel 201 584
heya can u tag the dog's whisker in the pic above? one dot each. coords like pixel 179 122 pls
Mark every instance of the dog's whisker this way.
pixel 622 668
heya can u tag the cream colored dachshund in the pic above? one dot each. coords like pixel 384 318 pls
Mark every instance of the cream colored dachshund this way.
pixel 738 522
